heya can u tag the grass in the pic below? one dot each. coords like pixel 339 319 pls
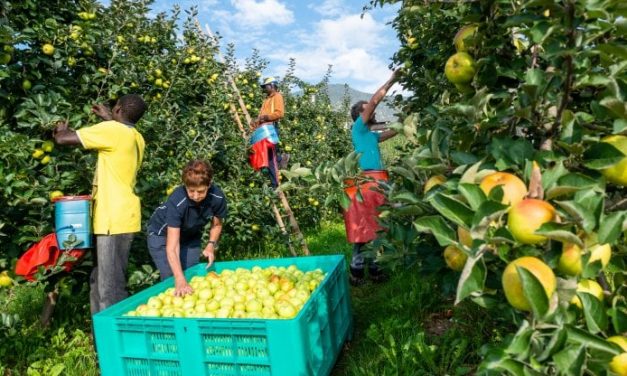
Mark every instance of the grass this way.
pixel 406 326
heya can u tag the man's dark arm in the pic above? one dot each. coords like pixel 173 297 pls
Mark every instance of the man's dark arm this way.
pixel 378 96
pixel 64 135
pixel 386 135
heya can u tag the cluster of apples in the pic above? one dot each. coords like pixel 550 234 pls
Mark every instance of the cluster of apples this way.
pixel 270 293
pixel 460 68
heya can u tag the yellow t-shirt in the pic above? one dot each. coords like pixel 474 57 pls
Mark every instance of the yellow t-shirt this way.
pixel 120 152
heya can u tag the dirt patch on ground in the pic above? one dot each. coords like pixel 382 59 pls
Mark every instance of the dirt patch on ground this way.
pixel 438 323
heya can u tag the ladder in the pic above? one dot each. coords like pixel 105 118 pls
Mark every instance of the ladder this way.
pixel 289 214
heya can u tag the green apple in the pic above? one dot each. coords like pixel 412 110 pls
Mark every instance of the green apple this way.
pixel 460 68
pixel 465 38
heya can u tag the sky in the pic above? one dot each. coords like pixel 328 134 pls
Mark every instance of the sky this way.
pixel 317 33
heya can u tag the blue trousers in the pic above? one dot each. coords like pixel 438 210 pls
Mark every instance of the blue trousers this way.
pixel 189 254
pixel 359 262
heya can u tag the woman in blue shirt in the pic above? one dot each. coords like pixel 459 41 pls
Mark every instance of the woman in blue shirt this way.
pixel 175 228
pixel 361 217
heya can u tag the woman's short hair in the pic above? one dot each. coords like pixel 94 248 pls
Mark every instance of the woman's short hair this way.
pixel 197 173
pixel 357 109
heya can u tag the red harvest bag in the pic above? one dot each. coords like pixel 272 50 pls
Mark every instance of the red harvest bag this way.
pixel 44 253
pixel 259 157
pixel 360 218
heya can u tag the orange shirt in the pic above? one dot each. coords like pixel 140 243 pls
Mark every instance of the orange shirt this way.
pixel 273 107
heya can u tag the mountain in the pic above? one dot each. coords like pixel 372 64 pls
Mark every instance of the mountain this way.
pixel 337 94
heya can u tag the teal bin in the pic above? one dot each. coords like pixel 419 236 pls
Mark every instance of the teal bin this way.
pixel 72 220
pixel 305 345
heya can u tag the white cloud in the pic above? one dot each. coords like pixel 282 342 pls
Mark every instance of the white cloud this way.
pixel 255 14
pixel 349 44
pixel 329 8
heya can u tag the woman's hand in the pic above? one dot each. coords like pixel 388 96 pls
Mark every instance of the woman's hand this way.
pixel 181 288
pixel 209 253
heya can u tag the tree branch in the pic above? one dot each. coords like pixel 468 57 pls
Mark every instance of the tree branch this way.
pixel 568 83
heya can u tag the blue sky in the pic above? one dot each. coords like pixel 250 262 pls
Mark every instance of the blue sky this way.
pixel 316 33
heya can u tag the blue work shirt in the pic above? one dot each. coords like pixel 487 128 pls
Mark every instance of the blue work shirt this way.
pixel 366 143
pixel 180 211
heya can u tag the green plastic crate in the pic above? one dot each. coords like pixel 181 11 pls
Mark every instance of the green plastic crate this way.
pixel 308 344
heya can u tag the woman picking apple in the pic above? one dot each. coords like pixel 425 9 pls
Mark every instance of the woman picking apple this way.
pixel 175 228
pixel 360 218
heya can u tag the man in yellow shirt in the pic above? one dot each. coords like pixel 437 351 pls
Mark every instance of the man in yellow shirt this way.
pixel 266 126
pixel 116 212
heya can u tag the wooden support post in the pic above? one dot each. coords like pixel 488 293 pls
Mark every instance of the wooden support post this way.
pixel 279 220
pixel 293 222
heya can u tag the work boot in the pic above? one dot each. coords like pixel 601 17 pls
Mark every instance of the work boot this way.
pixel 356 277
pixel 377 275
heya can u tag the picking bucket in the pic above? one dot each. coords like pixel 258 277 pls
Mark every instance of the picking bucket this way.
pixel 72 219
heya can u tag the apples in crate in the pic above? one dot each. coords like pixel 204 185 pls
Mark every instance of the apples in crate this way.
pixel 270 293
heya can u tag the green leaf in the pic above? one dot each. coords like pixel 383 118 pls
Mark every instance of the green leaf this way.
pixel 57 369
pixel 551 175
pixel 502 235
pixel 462 158
pixel 345 201
pixel 510 153
pixel 473 194
pixel 611 226
pixel 616 107
pixel 590 340
pixel 618 315
pixel 570 183
pixel 560 232
pixel 473 175
pixel 602 155
pixel 557 341
pixel 38 201
pixel 533 292
pixel 619 126
pixel 592 201
pixel 510 365
pixel 472 279
pixel 409 210
pixel 571 131
pixel 486 213
pixel 407 174
pixel 570 361
pixel 452 209
pixel 519 346
pixel 594 312
pixel 580 215
pixel 405 197
pixel 437 226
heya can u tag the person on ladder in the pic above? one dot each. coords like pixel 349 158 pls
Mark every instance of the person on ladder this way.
pixel 265 133
pixel 360 218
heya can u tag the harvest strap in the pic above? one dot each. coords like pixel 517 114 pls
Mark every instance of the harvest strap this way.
pixel 265 131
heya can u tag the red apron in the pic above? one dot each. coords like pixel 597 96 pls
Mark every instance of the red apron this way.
pixel 259 157
pixel 360 219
